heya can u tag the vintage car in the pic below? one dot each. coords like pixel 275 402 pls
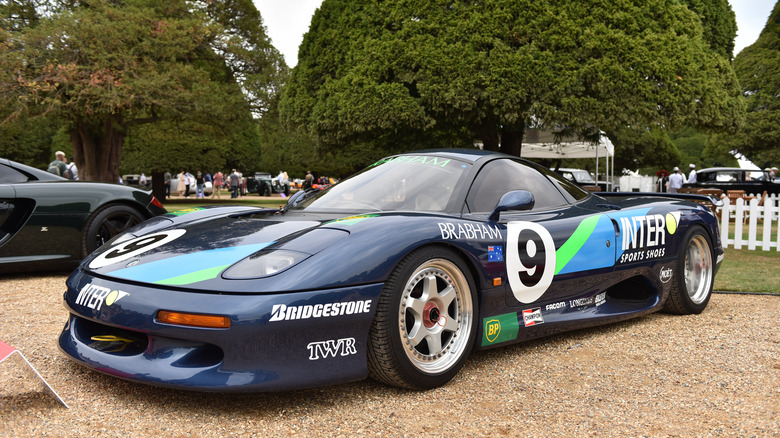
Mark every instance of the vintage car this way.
pixel 584 179
pixel 50 223
pixel 397 273
pixel 753 182
pixel 264 184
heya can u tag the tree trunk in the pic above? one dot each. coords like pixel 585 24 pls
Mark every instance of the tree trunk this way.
pixel 512 140
pixel 97 148
pixel 158 185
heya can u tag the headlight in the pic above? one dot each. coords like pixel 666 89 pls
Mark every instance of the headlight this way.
pixel 264 263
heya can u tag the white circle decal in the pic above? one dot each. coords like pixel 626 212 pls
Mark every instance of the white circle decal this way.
pixel 530 263
pixel 132 248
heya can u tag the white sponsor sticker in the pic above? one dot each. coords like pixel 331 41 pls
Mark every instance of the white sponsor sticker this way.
pixel 530 260
pixel 132 248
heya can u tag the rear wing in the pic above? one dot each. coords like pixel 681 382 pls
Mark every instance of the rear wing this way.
pixel 710 201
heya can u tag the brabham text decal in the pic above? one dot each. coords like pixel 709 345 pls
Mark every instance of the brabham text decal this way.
pixel 469 231
pixel 283 312
pixel 530 260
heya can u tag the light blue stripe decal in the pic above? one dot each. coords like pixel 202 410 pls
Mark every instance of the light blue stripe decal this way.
pixel 178 266
pixel 595 253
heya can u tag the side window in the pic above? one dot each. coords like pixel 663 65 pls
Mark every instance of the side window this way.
pixel 500 176
pixel 11 176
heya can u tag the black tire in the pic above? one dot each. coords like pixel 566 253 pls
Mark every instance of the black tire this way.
pixel 694 276
pixel 266 190
pixel 106 223
pixel 424 328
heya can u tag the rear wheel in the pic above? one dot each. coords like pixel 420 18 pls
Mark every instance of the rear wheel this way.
pixel 424 327
pixel 107 223
pixel 692 283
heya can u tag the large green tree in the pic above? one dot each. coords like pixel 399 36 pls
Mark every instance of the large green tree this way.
pixel 758 70
pixel 107 66
pixel 369 69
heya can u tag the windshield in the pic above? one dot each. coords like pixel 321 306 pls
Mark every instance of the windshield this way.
pixel 406 182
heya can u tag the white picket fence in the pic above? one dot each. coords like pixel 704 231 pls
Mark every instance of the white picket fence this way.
pixel 752 223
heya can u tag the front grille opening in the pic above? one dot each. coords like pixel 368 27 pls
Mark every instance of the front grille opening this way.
pixel 111 340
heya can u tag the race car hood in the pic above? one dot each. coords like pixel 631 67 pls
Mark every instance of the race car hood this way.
pixel 188 253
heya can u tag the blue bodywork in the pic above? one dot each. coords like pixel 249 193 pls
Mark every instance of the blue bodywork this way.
pixel 592 261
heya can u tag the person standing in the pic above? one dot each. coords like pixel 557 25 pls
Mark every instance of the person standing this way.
pixel 675 180
pixel 188 180
pixel 663 180
pixel 692 175
pixel 234 180
pixel 308 181
pixel 167 182
pixel 182 180
pixel 218 183
pixel 73 171
pixel 58 166
pixel 199 183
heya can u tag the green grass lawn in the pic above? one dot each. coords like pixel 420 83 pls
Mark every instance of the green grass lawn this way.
pixel 742 270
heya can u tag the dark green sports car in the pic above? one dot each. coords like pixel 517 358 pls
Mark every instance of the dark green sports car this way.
pixel 50 223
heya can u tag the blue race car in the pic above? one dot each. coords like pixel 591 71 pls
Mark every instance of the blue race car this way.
pixel 397 273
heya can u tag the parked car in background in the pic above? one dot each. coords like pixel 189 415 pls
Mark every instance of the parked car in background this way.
pixel 584 179
pixel 49 223
pixel 735 178
pixel 264 184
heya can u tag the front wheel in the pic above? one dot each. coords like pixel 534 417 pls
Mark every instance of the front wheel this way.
pixel 692 283
pixel 107 223
pixel 424 327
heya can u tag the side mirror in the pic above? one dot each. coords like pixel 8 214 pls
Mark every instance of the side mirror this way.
pixel 516 200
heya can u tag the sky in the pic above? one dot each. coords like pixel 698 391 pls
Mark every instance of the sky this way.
pixel 287 20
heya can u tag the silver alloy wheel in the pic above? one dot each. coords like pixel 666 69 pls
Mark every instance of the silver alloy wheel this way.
pixel 436 314
pixel 698 269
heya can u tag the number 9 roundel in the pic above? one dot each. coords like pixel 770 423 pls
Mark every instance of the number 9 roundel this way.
pixel 530 263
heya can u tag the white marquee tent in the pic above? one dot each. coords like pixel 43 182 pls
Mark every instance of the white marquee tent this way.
pixel 538 143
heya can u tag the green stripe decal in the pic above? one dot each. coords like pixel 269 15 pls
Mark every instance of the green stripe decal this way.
pixel 568 250
pixel 193 277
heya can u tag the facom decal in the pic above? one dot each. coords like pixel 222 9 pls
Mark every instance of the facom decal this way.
pixel 533 317
pixel 530 264
pixel 94 297
pixel 495 254
pixel 133 247
pixel 351 220
pixel 470 231
pixel 500 328
pixel 665 275
pixel 601 299
pixel 331 348
pixel 555 306
pixel 283 312
pixel 184 211
pixel 644 237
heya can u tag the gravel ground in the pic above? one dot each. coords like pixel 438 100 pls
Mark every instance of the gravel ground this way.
pixel 715 374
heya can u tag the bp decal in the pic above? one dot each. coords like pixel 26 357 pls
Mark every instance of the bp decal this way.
pixel 134 247
pixel 530 260
pixel 499 328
